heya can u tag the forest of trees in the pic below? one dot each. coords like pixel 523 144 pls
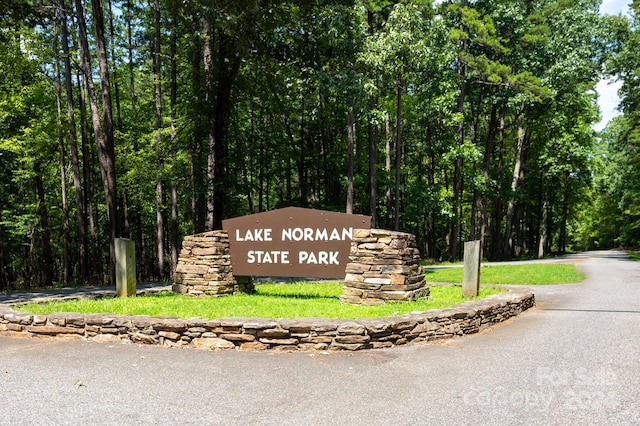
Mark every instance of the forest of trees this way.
pixel 452 120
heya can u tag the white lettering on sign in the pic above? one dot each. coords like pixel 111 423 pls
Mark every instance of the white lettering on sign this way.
pixel 259 256
pixel 254 235
pixel 317 234
pixel 319 258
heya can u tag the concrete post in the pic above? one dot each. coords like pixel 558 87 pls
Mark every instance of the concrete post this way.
pixel 471 278
pixel 125 267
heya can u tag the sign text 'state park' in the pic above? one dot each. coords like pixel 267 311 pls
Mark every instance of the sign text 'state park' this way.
pixel 292 242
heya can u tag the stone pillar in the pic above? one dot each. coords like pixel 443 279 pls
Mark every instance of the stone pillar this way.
pixel 204 267
pixel 383 266
pixel 125 267
pixel 471 277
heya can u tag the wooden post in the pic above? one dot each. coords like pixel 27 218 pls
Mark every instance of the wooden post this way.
pixel 471 278
pixel 125 267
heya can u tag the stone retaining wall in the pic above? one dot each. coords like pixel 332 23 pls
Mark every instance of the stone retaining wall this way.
pixel 274 334
pixel 204 267
pixel 383 266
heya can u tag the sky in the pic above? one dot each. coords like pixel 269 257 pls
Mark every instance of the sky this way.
pixel 608 89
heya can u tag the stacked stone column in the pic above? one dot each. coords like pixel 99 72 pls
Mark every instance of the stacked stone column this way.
pixel 383 266
pixel 204 267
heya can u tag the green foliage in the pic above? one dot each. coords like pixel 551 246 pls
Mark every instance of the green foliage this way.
pixel 27 123
pixel 269 101
pixel 614 219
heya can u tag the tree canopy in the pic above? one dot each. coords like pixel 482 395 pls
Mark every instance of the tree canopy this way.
pixel 452 120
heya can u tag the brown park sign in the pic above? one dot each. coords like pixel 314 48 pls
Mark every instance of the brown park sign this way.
pixel 292 242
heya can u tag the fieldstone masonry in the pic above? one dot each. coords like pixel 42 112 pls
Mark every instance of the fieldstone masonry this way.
pixel 204 267
pixel 305 334
pixel 383 266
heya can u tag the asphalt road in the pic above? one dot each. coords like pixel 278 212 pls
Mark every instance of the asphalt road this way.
pixel 574 359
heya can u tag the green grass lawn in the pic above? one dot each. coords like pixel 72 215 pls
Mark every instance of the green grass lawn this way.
pixel 304 300
pixel 553 273
pixel 297 300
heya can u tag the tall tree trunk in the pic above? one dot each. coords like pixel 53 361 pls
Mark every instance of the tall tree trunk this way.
pixel 159 150
pixel 457 168
pixel 543 222
pixel 431 247
pixel 66 242
pixel 248 167
pixel 220 78
pixel 515 179
pixel 209 32
pixel 486 168
pixel 498 205
pixel 313 169
pixel 116 82
pixel 160 225
pixel 106 151
pixel 85 66
pixel 228 70
pixel 130 206
pixel 4 271
pixel 326 136
pixel 562 239
pixel 132 83
pixel 198 152
pixel 173 100
pixel 73 142
pixel 262 172
pixel 351 136
pixel 456 204
pixel 373 162
pixel 474 232
pixel 396 217
pixel 47 256
pixel 132 210
pixel 372 129
pixel 104 136
pixel 302 162
pixel 95 266
pixel 289 178
pixel 124 226
pixel 387 167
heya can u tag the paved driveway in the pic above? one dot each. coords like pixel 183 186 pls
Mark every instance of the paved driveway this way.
pixel 574 359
